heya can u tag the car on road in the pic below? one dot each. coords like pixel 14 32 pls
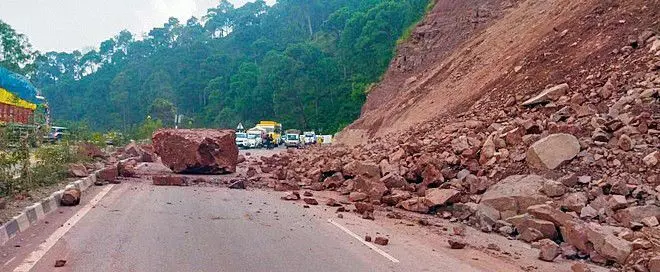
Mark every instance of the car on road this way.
pixel 292 139
pixel 56 134
pixel 242 140
pixel 310 137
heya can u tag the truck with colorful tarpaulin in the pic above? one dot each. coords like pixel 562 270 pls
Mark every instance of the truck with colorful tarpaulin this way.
pixel 18 98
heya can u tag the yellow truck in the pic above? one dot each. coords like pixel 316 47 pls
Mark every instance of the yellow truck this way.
pixel 274 129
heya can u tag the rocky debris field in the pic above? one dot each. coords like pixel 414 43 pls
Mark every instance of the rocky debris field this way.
pixel 572 169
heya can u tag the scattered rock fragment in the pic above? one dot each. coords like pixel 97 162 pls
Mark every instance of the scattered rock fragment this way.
pixel 60 263
pixel 456 243
pixel 310 201
pixel 549 250
pixel 237 184
pixel 381 241
pixel 70 197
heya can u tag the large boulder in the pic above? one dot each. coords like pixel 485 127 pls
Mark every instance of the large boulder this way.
pixel 514 194
pixel 197 151
pixel 552 151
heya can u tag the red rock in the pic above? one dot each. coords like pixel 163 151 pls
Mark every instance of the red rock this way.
pixel 367 238
pixel 580 267
pixel 456 243
pixel 396 196
pixel 60 263
pixel 127 169
pixel 197 151
pixel 394 180
pixel 552 151
pixel 108 174
pixel 546 228
pixel 416 204
pixel 356 168
pixel 333 182
pixel 636 214
pixel 310 201
pixel 332 202
pixel 77 170
pixel 362 207
pixel 549 250
pixel 281 186
pixel 381 241
pixel 514 194
pixel 291 196
pixel 545 212
pixel 357 196
pixel 237 184
pixel 169 180
pixel 607 245
pixel 439 197
pixel 372 187
pixel 90 150
pixel 654 264
pixel 575 234
pixel 70 197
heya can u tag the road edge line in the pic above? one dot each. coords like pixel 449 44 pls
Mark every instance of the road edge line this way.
pixel 33 258
pixel 375 248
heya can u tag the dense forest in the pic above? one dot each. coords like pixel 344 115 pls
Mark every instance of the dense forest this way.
pixel 305 63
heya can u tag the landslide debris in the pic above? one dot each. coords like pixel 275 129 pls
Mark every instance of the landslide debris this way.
pixel 560 150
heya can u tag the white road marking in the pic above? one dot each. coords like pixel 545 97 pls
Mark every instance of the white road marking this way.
pixel 12 258
pixel 375 248
pixel 44 247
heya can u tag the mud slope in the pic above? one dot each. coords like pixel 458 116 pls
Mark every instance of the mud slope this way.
pixel 464 50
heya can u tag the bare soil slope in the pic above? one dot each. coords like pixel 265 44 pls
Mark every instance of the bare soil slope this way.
pixel 465 50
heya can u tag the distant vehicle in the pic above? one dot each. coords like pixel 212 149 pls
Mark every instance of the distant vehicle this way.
pixel 56 134
pixel 292 138
pixel 242 140
pixel 310 137
pixel 256 137
pixel 274 129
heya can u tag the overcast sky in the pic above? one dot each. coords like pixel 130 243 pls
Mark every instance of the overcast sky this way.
pixel 67 25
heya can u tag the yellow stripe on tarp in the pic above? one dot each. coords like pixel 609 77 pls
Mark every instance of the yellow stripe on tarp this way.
pixel 9 98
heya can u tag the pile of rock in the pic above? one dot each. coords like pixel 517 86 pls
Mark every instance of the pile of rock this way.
pixel 573 169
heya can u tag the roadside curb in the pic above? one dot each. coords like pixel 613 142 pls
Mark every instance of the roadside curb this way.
pixel 38 211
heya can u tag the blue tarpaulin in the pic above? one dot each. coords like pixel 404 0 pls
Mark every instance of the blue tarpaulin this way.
pixel 18 85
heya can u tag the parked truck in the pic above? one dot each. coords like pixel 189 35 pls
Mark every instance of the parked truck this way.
pixel 272 128
pixel 19 104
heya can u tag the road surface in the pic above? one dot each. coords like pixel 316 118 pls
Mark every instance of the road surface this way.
pixel 140 227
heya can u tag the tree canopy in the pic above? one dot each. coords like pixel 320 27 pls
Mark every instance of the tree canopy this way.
pixel 305 63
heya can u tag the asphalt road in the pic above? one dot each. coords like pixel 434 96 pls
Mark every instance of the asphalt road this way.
pixel 140 227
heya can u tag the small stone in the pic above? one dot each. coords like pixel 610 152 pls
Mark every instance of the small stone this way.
pixel 493 247
pixel 340 215
pixel 381 241
pixel 651 159
pixel 580 267
pixel 332 202
pixel 367 238
pixel 60 263
pixel 238 184
pixel 626 143
pixel 456 243
pixel 554 188
pixel 310 201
